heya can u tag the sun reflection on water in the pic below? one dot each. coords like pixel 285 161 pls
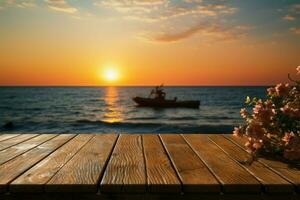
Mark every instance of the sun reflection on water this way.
pixel 113 112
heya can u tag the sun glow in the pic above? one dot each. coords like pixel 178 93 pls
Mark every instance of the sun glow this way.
pixel 111 74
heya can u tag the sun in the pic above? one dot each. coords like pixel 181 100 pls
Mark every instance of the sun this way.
pixel 111 75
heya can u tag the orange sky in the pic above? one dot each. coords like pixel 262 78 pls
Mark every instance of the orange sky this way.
pixel 209 44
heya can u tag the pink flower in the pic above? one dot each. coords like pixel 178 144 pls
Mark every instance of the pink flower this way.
pixel 294 92
pixel 291 110
pixel 283 89
pixel 253 145
pixel 264 111
pixel 255 130
pixel 269 104
pixel 287 137
pixel 258 107
pixel 237 132
pixel 257 145
pixel 271 91
pixel 244 113
pixel 250 147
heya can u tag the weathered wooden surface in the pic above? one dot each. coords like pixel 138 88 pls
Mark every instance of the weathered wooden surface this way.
pixel 7 136
pixel 134 166
pixel 232 176
pixel 35 178
pixel 272 182
pixel 290 173
pixel 10 153
pixel 18 165
pixel 161 175
pixel 193 173
pixel 82 173
pixel 125 171
pixel 15 140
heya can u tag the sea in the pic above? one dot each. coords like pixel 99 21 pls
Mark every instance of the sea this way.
pixel 111 110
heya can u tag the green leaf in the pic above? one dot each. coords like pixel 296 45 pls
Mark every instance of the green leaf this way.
pixel 248 100
pixel 254 100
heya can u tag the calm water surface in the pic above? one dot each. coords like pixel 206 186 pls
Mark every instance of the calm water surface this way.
pixel 110 109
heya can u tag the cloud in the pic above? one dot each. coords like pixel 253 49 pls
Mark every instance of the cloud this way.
pixel 173 37
pixel 61 6
pixel 158 10
pixel 185 15
pixel 292 12
pixel 289 18
pixel 193 1
pixel 132 7
pixel 128 3
pixel 27 4
pixel 295 30
pixel 296 7
pixel 215 31
pixel 176 12
pixel 18 3
pixel 292 15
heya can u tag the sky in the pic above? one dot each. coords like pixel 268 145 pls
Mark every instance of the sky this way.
pixel 148 42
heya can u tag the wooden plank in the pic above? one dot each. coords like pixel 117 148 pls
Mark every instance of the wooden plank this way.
pixel 161 176
pixel 271 181
pixel 120 196
pixel 233 177
pixel 35 178
pixel 147 196
pixel 83 172
pixel 7 136
pixel 13 141
pixel 194 175
pixel 15 167
pixel 125 171
pixel 285 170
pixel 18 149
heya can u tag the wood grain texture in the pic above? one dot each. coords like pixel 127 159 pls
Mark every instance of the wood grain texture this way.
pixel 18 149
pixel 35 178
pixel 83 172
pixel 13 141
pixel 147 196
pixel 289 172
pixel 7 136
pixel 193 173
pixel 271 181
pixel 125 171
pixel 15 167
pixel 161 176
pixel 233 177
pixel 140 167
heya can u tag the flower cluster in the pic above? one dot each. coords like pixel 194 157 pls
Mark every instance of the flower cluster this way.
pixel 273 125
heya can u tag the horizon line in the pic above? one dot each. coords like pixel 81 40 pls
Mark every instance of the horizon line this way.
pixel 134 85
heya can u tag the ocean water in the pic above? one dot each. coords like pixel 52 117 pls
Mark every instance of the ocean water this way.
pixel 110 109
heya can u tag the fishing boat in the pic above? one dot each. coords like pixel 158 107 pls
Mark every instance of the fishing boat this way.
pixel 151 102
pixel 159 100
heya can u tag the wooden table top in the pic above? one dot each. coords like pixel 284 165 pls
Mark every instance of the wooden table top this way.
pixel 174 164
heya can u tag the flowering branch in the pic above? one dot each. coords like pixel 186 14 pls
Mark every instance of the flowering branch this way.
pixel 273 125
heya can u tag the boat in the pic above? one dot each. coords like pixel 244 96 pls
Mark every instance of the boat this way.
pixel 160 101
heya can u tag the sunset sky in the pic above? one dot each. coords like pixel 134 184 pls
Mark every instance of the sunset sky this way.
pixel 148 42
